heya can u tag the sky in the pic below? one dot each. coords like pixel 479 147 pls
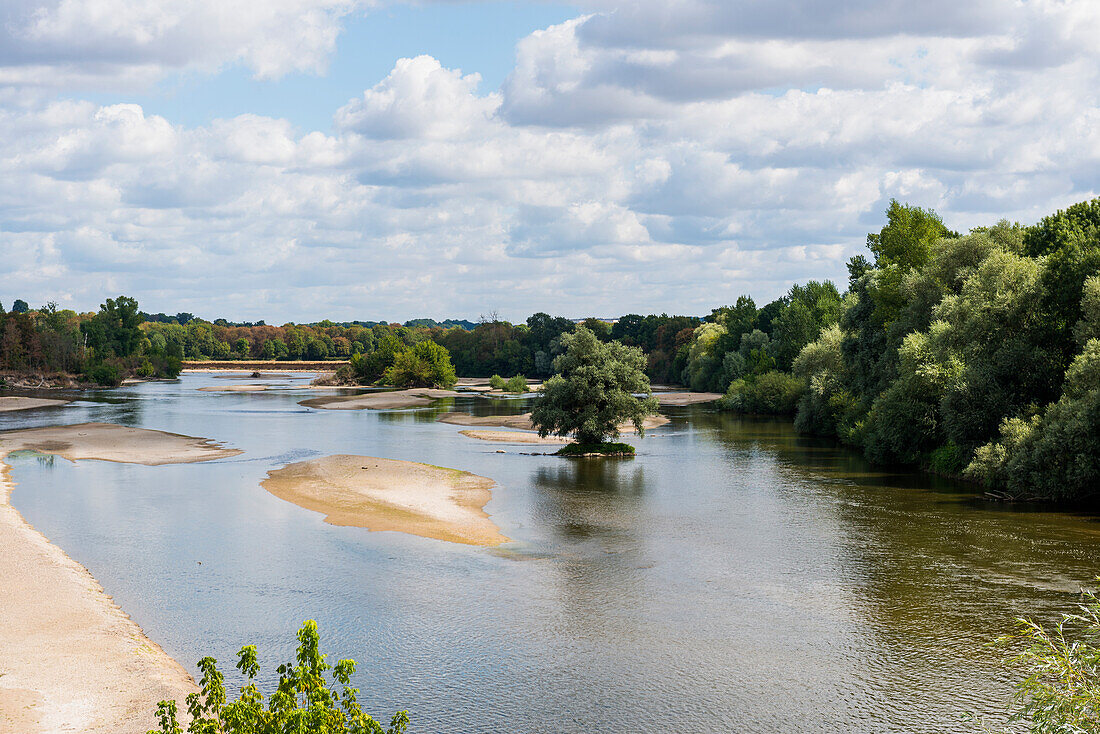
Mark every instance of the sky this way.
pixel 295 160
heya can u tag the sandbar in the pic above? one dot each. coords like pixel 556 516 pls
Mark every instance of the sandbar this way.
pixel 526 437
pixel 387 494
pixel 413 398
pixel 686 398
pixel 73 660
pixel 17 403
pixel 111 442
pixel 523 423
pixel 233 388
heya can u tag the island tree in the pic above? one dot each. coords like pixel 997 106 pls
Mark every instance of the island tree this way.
pixel 595 389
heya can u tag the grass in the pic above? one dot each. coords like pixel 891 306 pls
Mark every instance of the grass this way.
pixel 596 449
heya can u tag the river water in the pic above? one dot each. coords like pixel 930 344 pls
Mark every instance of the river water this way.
pixel 734 576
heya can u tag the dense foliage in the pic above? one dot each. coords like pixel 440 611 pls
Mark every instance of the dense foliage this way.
pixel 970 354
pixel 303 701
pixel 595 389
pixel 102 347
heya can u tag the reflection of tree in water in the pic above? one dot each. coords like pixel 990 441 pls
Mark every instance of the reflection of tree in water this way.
pixel 590 497
pixel 934 571
pixel 427 414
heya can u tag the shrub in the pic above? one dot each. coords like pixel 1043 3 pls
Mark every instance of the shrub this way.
pixel 303 701
pixel 1060 690
pixel 426 364
pixel 497 382
pixel 517 384
pixel 604 449
pixel 105 374
pixel 773 393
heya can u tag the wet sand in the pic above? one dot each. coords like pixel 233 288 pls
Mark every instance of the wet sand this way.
pixel 414 398
pixel 72 659
pixel 17 403
pixel 524 437
pixel 386 494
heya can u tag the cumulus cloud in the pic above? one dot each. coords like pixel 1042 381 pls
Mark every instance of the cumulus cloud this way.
pixel 646 156
pixel 113 43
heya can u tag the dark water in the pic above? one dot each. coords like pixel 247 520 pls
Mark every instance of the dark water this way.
pixel 732 577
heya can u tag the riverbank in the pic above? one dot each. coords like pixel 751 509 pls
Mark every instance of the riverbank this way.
pixel 73 660
pixel 215 365
pixel 388 494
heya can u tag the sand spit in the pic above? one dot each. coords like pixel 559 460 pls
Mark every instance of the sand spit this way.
pixel 414 398
pixel 233 388
pixel 524 437
pixel 16 403
pixel 523 423
pixel 386 494
pixel 110 442
pixel 72 659
pixel 686 398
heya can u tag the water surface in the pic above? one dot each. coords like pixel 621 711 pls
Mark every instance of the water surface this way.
pixel 732 577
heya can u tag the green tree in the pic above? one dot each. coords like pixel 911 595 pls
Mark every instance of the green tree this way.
pixel 595 389
pixel 304 699
pixel 20 306
pixel 426 364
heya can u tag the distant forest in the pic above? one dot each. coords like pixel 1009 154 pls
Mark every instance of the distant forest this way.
pixel 971 354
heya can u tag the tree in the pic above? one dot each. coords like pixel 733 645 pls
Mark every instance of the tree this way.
pixel 20 306
pixel 594 390
pixel 426 364
pixel 304 700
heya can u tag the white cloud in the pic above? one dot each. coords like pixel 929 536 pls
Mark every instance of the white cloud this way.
pixel 124 43
pixel 652 156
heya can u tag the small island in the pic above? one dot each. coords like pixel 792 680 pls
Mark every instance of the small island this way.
pixel 386 494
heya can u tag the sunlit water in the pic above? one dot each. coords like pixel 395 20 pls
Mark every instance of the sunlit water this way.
pixel 732 577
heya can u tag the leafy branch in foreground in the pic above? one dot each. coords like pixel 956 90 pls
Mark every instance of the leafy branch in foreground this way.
pixel 303 700
pixel 1061 690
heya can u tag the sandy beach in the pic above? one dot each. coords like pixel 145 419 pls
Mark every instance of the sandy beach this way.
pixel 686 398
pixel 414 398
pixel 386 494
pixel 72 659
pixel 17 403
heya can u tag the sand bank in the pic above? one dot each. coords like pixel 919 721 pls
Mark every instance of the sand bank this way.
pixel 72 660
pixel 234 388
pixel 523 422
pixel 110 442
pixel 16 403
pixel 686 398
pixel 415 398
pixel 525 437
pixel 385 494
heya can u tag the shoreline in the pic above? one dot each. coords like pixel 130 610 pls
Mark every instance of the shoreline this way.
pixel 74 659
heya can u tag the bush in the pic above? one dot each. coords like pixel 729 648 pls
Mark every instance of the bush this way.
pixel 1060 690
pixel 146 369
pixel 105 374
pixel 517 384
pixel 773 393
pixel 425 365
pixel 303 701
pixel 603 449
pixel 497 382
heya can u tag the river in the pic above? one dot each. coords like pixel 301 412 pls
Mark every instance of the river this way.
pixel 734 576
